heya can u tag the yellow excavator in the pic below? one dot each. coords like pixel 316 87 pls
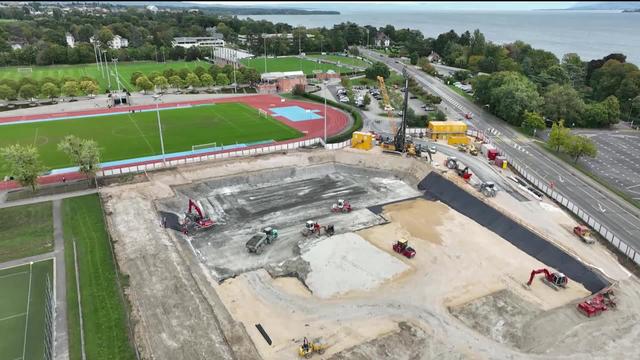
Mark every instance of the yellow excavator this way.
pixel 308 348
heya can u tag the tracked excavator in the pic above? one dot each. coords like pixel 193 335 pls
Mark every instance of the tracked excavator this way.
pixel 555 280
pixel 196 220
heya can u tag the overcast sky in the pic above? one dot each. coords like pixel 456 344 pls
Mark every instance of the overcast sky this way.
pixel 382 5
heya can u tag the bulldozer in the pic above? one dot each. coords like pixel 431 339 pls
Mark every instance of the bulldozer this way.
pixel 555 280
pixel 308 348
pixel 488 188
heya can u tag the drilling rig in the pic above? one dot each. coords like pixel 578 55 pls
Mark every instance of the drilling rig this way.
pixel 399 142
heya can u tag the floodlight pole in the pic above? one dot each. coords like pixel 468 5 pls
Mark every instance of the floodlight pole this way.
pixel 106 66
pixel 265 54
pixel 156 98
pixel 325 111
pixel 115 66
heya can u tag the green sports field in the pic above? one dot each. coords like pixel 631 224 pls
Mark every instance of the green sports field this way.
pixel 125 69
pixel 22 310
pixel 20 236
pixel 341 59
pixel 291 64
pixel 126 136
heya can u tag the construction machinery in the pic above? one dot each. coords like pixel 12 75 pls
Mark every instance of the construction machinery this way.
pixel 308 348
pixel 399 143
pixel 597 304
pixel 462 170
pixel 468 116
pixel 488 188
pixel 473 151
pixel 257 242
pixel 462 148
pixel 402 247
pixel 329 230
pixel 196 220
pixel 584 234
pixel 341 206
pixel 385 97
pixel 556 280
pixel 311 227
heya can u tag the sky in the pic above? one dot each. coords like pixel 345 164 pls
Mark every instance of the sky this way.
pixel 384 5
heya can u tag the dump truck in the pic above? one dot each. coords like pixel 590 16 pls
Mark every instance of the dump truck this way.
pixel 257 242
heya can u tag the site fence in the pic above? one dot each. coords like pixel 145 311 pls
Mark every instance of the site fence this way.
pixel 159 164
pixel 588 219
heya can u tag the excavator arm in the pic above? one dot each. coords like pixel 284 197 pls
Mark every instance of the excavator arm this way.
pixel 193 205
pixel 546 272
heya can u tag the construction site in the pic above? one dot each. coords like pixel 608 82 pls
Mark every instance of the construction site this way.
pixel 258 258
pixel 364 253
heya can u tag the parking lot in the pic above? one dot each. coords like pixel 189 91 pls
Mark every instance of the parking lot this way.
pixel 617 159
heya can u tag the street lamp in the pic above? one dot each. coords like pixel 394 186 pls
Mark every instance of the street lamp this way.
pixel 325 110
pixel 156 99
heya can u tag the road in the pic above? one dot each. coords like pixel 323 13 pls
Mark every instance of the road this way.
pixel 606 207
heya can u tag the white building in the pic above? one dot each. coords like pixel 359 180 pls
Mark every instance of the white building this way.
pixel 187 42
pixel 382 40
pixel 152 8
pixel 117 42
pixel 71 41
pixel 16 46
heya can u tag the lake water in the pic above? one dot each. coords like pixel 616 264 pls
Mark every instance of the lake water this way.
pixel 591 34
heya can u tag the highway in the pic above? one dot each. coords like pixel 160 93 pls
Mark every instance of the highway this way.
pixel 607 208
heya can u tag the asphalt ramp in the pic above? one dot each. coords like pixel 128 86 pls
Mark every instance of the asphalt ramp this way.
pixel 436 187
pixel 170 220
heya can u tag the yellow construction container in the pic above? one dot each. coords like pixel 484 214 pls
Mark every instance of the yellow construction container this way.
pixel 446 129
pixel 458 140
pixel 504 164
pixel 362 140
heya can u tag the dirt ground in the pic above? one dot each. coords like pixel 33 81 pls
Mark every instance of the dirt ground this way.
pixel 462 296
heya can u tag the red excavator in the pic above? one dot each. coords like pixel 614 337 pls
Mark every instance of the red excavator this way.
pixel 556 280
pixel 196 220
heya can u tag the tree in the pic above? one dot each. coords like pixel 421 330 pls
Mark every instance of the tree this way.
pixel 50 90
pixel 477 43
pixel 558 135
pixel 577 146
pixel 344 81
pixel 298 90
pixel 192 80
pixel 144 84
pixel 206 80
pixel 440 116
pixel 104 37
pixel 83 153
pixel 161 82
pixel 251 75
pixel 199 70
pixel 88 87
pixel 563 102
pixel 7 93
pixel 70 88
pixel 135 76
pixel 532 121
pixel 378 69
pixel 28 91
pixel 176 82
pixel 85 32
pixel 24 164
pixel 575 68
pixel 367 100
pixel 222 80
pixel 153 75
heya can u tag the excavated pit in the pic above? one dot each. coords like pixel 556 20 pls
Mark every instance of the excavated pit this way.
pixel 283 198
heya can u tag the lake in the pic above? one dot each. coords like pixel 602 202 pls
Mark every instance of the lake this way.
pixel 591 34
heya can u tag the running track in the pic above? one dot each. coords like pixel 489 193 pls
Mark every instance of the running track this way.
pixel 336 122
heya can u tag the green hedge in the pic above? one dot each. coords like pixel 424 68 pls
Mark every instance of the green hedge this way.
pixel 357 123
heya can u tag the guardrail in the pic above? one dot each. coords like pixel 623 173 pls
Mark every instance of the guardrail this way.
pixel 626 249
pixel 199 158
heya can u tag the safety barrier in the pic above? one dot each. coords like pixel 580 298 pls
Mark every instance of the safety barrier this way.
pixel 336 146
pixel 626 249
pixel 214 156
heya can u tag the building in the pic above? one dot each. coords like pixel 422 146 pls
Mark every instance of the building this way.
pixel 382 40
pixel 330 74
pixel 434 57
pixel 117 42
pixel 213 32
pixel 187 42
pixel 279 82
pixel 71 41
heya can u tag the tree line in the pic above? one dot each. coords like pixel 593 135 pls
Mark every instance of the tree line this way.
pixel 49 87
pixel 199 77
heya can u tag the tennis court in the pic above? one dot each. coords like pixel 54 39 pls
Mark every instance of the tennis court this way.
pixel 26 311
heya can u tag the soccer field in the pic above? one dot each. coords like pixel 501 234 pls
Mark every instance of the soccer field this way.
pixel 291 64
pixel 23 306
pixel 125 69
pixel 126 136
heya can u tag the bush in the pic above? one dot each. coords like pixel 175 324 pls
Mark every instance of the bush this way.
pixel 357 118
pixel 298 90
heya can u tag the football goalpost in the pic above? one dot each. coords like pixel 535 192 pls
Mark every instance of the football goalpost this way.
pixel 25 70
pixel 203 146
pixel 263 113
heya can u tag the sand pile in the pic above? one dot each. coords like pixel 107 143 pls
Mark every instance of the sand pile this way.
pixel 347 262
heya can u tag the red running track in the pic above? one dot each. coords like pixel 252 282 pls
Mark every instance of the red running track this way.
pixel 336 123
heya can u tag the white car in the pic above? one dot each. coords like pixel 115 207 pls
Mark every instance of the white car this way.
pixel 344 99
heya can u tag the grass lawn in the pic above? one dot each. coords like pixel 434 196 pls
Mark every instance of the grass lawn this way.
pixel 103 310
pixel 125 136
pixel 22 303
pixel 341 59
pixel 125 69
pixel 25 231
pixel 291 64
